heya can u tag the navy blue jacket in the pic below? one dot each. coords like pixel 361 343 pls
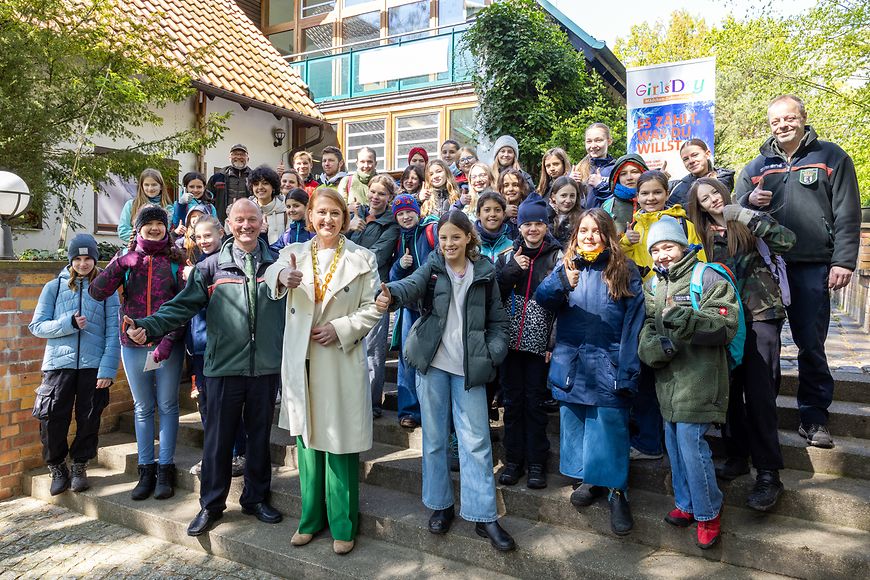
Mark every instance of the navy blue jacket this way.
pixel 296 233
pixel 595 196
pixel 595 359
pixel 418 242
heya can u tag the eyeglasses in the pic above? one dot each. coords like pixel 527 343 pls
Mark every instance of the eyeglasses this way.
pixel 467 159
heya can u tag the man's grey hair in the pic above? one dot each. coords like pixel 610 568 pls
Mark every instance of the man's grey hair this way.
pixel 788 97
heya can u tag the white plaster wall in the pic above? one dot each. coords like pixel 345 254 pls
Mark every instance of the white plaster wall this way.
pixel 252 128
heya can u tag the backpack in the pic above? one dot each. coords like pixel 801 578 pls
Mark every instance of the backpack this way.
pixel 696 290
pixel 776 265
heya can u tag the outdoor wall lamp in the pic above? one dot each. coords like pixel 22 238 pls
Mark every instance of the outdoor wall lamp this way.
pixel 279 135
pixel 14 201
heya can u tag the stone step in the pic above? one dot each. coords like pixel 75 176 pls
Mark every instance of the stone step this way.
pixel 845 417
pixel 396 516
pixel 243 539
pixel 848 386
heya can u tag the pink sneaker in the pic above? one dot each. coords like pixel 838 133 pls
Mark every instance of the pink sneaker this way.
pixel 679 518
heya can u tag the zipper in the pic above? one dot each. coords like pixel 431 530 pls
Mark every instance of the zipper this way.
pixel 79 336
pixel 254 330
pixel 465 319
pixel 148 293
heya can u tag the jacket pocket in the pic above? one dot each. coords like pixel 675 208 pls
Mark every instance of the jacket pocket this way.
pixel 607 369
pixel 563 368
pixel 44 401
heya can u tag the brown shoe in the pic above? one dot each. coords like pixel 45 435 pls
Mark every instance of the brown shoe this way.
pixel 341 547
pixel 300 539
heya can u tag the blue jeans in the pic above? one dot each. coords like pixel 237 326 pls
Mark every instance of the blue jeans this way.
pixel 439 391
pixel 376 352
pixel 692 472
pixel 646 414
pixel 409 405
pixel 593 444
pixel 154 389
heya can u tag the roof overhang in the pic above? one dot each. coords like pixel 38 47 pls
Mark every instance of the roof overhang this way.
pixel 247 102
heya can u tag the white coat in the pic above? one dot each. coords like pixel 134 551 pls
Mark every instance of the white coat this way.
pixel 330 406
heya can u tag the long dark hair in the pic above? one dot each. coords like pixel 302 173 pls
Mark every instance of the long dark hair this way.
pixel 739 238
pixel 420 177
pixel 616 275
pixel 544 180
pixel 461 221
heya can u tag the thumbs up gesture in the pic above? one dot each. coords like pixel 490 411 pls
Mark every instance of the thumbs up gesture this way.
pixel 664 169
pixel 407 260
pixel 760 197
pixel 290 277
pixel 522 261
pixel 595 178
pixel 136 334
pixel 573 275
pixel 631 235
pixel 384 299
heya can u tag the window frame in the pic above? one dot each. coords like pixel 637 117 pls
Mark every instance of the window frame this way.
pixel 396 116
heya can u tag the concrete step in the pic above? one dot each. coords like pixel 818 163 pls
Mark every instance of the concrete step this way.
pixel 243 539
pixel 845 417
pixel 396 516
pixel 848 386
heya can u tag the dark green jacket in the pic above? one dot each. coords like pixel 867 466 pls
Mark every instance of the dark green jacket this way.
pixel 691 381
pixel 381 236
pixel 486 323
pixel 231 349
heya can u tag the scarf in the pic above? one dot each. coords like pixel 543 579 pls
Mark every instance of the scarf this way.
pixel 152 246
pixel 589 256
pixel 624 193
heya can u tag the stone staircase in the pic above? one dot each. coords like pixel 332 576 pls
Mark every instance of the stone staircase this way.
pixel 820 528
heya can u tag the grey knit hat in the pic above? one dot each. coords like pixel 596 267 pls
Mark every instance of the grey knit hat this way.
pixel 83 245
pixel 666 229
pixel 506 141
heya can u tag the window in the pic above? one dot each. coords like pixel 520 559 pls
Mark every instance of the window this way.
pixel 280 12
pixel 370 133
pixel 317 37
pixel 315 7
pixel 363 27
pixel 463 126
pixel 408 18
pixel 284 42
pixel 111 197
pixel 416 131
pixel 349 3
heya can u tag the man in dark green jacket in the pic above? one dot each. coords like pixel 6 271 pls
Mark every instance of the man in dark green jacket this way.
pixel 244 333
pixel 810 187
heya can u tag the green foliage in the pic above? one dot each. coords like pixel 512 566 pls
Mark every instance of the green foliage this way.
pixel 73 70
pixel 32 255
pixel 107 251
pixel 531 83
pixel 823 55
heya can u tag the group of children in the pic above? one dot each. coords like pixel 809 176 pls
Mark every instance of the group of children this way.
pixel 590 287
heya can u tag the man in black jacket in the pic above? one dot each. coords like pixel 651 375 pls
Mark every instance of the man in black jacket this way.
pixel 231 182
pixel 809 186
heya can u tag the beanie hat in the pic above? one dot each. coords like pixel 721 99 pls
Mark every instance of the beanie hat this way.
pixel 150 213
pixel 405 202
pixel 506 141
pixel 533 210
pixel 83 245
pixel 298 194
pixel 666 229
pixel 421 151
pixel 198 207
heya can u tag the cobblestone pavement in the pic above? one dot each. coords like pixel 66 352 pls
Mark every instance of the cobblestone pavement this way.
pixel 40 540
pixel 847 347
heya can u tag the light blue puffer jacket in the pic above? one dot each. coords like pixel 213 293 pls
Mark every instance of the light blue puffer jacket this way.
pixel 96 346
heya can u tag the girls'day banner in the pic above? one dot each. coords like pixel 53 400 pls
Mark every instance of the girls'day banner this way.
pixel 668 104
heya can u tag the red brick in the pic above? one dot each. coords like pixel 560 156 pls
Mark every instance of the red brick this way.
pixel 10 456
pixel 9 406
pixel 9 430
pixel 25 292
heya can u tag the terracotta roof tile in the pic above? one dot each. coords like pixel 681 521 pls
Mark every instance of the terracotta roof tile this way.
pixel 241 59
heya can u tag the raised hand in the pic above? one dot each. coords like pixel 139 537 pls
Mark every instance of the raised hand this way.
pixel 465 199
pixel 594 178
pixel 281 168
pixel 664 169
pixel 511 211
pixel 407 260
pixel 573 277
pixel 180 230
pixel 760 197
pixel 522 261
pixel 384 299
pixel 135 333
pixel 81 321
pixel 290 277
pixel 630 234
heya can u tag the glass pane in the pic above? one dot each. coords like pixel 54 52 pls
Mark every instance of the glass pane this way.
pixel 313 7
pixel 416 131
pixel 451 12
pixel 463 126
pixel 283 41
pixel 317 37
pixel 349 3
pixel 371 133
pixel 280 11
pixel 363 27
pixel 408 18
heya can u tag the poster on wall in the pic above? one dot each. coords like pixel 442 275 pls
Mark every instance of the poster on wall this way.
pixel 668 104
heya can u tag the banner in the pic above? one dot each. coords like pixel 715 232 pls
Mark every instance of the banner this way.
pixel 668 104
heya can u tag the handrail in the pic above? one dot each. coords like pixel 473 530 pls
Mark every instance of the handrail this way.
pixel 318 51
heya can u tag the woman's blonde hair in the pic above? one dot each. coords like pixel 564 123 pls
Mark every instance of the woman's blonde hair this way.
pixel 141 199
pixel 332 195
pixel 450 185
pixel 190 245
pixel 387 182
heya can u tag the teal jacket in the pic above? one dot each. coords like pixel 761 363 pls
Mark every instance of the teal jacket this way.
pixel 231 348
pixel 125 222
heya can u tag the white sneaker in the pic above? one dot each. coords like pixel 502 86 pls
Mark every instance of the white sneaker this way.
pixel 636 455
pixel 196 469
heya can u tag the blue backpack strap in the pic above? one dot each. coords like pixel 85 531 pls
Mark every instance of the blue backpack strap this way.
pixel 696 290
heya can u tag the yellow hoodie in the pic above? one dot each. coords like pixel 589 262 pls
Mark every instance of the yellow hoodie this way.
pixel 643 220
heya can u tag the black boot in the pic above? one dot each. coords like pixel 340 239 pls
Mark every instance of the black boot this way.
pixel 621 521
pixel 440 520
pixel 165 481
pixel 147 481
pixel 766 491
pixel 79 476
pixel 500 539
pixel 59 478
pixel 733 468
pixel 584 494
pixel 537 477
pixel 511 474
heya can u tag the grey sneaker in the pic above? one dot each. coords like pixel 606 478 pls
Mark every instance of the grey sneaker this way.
pixel 79 477
pixel 196 469
pixel 59 478
pixel 817 436
pixel 238 465
pixel 638 455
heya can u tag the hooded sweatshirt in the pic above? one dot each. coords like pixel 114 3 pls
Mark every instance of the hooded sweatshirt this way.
pixel 355 187
pixel 642 222
pixel 622 202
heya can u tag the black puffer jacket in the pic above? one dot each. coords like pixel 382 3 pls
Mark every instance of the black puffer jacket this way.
pixel 680 189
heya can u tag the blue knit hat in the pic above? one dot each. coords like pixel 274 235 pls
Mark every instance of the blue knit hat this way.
pixel 533 210
pixel 405 202
pixel 83 245
pixel 666 229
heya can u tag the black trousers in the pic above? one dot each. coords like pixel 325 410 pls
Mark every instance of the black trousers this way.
pixel 60 392
pixel 230 399
pixel 197 364
pixel 808 318
pixel 751 423
pixel 524 388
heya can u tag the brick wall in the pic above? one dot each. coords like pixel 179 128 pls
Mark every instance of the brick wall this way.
pixel 20 363
pixel 854 299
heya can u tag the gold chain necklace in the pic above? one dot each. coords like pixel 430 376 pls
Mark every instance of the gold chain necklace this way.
pixel 320 288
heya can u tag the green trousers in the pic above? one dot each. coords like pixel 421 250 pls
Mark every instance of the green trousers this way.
pixel 330 492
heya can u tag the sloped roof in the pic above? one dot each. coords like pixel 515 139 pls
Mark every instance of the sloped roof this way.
pixel 241 64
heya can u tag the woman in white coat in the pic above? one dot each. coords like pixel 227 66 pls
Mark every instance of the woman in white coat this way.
pixel 330 284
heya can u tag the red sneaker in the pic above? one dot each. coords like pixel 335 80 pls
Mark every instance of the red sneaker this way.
pixel 679 518
pixel 194 392
pixel 708 533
